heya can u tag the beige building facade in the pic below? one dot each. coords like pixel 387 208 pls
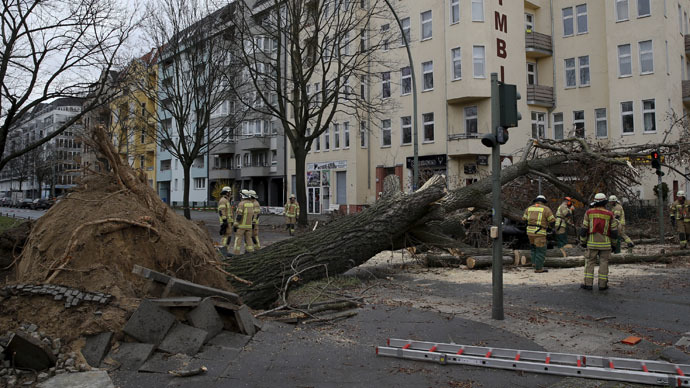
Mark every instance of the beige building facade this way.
pixel 611 71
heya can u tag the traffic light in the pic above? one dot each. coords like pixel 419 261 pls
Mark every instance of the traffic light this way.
pixel 508 115
pixel 656 162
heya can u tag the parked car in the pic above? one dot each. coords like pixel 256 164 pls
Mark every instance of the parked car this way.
pixel 5 201
pixel 42 203
pixel 26 203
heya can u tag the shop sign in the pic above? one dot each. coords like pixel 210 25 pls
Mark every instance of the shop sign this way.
pixel 428 161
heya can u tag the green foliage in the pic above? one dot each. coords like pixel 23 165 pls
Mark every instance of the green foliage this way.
pixel 664 191
pixel 7 223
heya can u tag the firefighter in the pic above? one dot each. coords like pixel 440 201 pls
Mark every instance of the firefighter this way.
pixel 255 224
pixel 225 216
pixel 564 217
pixel 619 213
pixel 244 219
pixel 538 217
pixel 598 234
pixel 680 218
pixel 291 214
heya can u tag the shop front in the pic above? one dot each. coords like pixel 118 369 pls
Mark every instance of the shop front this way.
pixel 319 185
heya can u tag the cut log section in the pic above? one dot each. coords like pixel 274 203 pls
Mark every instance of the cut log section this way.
pixel 476 262
pixel 434 261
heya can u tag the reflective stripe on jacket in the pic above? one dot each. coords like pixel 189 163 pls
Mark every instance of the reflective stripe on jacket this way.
pixel 245 214
pixel 599 223
pixel 562 213
pixel 680 211
pixel 224 210
pixel 291 209
pixel 257 211
pixel 538 218
pixel 619 213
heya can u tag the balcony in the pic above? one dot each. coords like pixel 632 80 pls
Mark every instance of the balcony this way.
pixel 538 45
pixel 540 95
pixel 464 143
pixel 256 170
pixel 224 173
pixel 224 148
pixel 255 143
pixel 687 44
pixel 686 92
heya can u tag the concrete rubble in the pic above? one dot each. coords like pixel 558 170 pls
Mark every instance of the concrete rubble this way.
pixel 71 297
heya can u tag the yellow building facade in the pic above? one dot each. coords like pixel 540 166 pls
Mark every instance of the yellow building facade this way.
pixel 610 71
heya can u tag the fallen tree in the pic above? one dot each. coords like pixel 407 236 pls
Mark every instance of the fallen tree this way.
pixel 398 218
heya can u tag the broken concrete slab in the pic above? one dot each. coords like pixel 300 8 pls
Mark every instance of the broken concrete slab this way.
pixel 182 301
pixel 130 355
pixel 228 339
pixel 30 353
pixel 151 274
pixel 245 320
pixel 183 287
pixel 92 379
pixel 96 347
pixel 205 317
pixel 162 363
pixel 149 323
pixel 213 352
pixel 675 356
pixel 183 339
pixel 683 341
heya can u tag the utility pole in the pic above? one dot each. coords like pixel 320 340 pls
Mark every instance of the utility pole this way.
pixel 656 164
pixel 497 262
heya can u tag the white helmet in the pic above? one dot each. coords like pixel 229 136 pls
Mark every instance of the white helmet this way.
pixel 252 194
pixel 292 196
pixel 226 189
pixel 600 197
pixel 245 194
pixel 613 198
pixel 680 193
pixel 540 198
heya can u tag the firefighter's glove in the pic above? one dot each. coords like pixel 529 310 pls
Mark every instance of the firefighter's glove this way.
pixel 223 228
pixel 234 228
pixel 673 221
pixel 253 226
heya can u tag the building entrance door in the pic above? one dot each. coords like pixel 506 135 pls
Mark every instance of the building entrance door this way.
pixel 314 200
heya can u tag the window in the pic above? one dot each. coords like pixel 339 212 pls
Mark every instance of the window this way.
pixel 363 87
pixel 680 19
pixel 317 144
pixel 199 183
pixel 581 11
pixel 142 162
pixel 426 25
pixel 583 62
pixel 384 30
pixel 627 118
pixel 558 126
pixel 336 136
pixel 646 57
pixel 428 75
pixel 405 30
pixel 405 81
pixel 531 73
pixel 624 61
pixel 363 40
pixel 568 21
pixel 428 123
pixel 478 61
pixel 363 134
pixel 456 63
pixel 621 10
pixel 454 11
pixel 238 161
pixel 538 125
pixel 529 22
pixel 385 133
pixel 386 84
pixel 406 129
pixel 175 187
pixel 649 115
pixel 471 121
pixel 579 123
pixel 327 139
pixel 477 10
pixel 643 8
pixel 601 123
pixel 570 73
pixel 346 134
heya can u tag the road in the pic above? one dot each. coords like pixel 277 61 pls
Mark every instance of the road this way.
pixel 21 213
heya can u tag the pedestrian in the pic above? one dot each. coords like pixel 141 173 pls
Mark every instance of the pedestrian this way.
pixel 291 214
pixel 225 216
pixel 599 228
pixel 619 213
pixel 538 217
pixel 255 224
pixel 564 217
pixel 244 219
pixel 680 218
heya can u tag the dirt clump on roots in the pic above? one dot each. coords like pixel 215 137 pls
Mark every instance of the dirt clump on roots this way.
pixel 91 240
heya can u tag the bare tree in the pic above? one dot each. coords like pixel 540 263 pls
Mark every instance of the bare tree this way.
pixel 49 48
pixel 308 62
pixel 195 76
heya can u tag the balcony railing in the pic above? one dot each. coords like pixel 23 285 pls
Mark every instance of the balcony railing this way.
pixel 461 136
pixel 540 95
pixel 538 44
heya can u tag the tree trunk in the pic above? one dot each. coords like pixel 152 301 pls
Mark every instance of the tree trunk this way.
pixel 622 258
pixel 342 244
pixel 476 262
pixel 553 253
pixel 433 261
pixel 185 196
pixel 300 181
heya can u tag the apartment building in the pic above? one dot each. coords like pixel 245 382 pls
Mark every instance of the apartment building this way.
pixel 611 71
pixel 52 168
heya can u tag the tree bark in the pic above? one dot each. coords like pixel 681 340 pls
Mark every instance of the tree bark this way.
pixel 433 261
pixel 300 181
pixel 185 195
pixel 552 253
pixel 343 244
pixel 477 262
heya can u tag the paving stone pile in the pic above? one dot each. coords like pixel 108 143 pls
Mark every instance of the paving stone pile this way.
pixel 13 375
pixel 72 297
